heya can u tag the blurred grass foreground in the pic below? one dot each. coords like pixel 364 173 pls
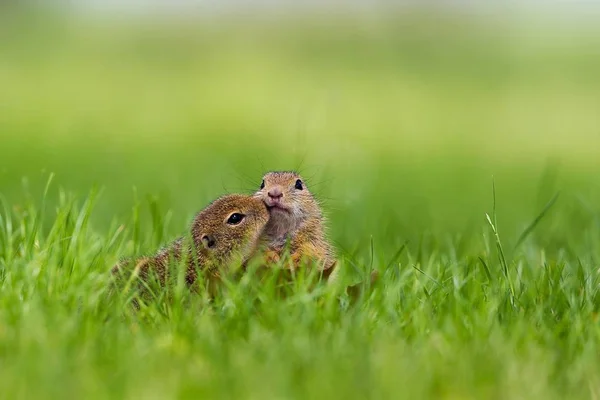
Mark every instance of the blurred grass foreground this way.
pixel 408 126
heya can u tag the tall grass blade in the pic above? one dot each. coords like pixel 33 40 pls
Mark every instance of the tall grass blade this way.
pixel 536 221
pixel 502 258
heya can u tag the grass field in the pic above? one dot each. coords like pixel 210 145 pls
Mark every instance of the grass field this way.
pixel 410 130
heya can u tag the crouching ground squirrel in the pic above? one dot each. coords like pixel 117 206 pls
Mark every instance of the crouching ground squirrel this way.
pixel 295 220
pixel 227 228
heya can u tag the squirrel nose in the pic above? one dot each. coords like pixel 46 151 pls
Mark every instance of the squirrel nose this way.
pixel 275 193
pixel 208 241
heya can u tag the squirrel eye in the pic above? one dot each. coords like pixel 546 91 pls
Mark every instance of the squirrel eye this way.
pixel 262 185
pixel 299 185
pixel 235 218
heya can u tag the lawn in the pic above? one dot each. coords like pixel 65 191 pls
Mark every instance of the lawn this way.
pixel 458 157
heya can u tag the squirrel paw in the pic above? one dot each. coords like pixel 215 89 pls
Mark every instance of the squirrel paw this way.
pixel 271 257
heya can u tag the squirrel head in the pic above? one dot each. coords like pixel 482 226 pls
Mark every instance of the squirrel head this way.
pixel 230 223
pixel 286 196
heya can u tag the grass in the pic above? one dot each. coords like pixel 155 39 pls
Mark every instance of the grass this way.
pixel 460 163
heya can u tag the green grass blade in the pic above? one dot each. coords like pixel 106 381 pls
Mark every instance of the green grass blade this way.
pixel 536 221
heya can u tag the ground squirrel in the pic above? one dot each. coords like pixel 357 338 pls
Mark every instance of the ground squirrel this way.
pixel 228 227
pixel 295 217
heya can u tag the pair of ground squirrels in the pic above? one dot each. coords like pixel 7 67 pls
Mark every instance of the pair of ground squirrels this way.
pixel 282 215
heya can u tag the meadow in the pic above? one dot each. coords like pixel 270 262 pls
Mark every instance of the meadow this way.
pixel 457 156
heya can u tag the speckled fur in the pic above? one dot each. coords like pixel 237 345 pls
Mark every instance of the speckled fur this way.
pixel 230 240
pixel 301 223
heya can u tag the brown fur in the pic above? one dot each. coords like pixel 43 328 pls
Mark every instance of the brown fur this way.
pixel 301 224
pixel 296 219
pixel 215 242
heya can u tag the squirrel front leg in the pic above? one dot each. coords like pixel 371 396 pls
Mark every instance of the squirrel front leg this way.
pixel 271 257
pixel 309 253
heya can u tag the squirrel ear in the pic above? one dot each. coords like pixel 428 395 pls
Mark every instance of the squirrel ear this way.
pixel 208 241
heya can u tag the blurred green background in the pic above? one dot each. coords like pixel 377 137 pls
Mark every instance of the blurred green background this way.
pixel 398 121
